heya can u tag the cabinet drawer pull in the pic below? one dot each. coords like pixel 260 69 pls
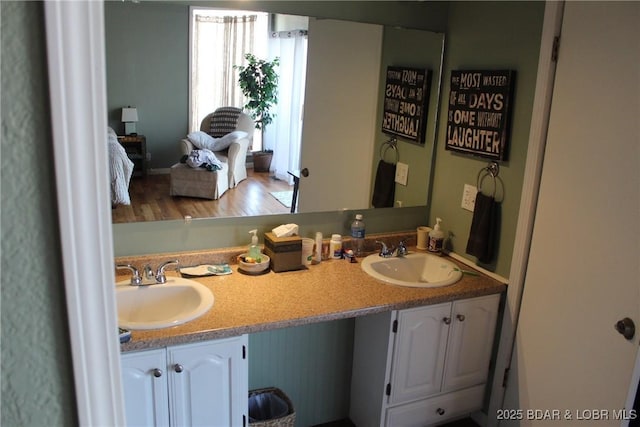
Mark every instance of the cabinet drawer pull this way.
pixel 178 367
pixel 440 411
pixel 157 373
pixel 460 317
pixel 446 320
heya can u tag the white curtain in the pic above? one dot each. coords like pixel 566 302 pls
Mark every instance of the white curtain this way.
pixel 284 134
pixel 219 43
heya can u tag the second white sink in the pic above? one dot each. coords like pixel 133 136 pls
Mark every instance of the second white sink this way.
pixel 161 306
pixel 418 270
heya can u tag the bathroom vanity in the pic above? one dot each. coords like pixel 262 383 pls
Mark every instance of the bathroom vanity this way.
pixel 422 365
pixel 445 359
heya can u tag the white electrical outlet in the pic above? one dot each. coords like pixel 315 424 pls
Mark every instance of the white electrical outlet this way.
pixel 402 170
pixel 469 197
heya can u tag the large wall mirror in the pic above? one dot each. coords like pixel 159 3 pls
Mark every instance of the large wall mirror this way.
pixel 147 49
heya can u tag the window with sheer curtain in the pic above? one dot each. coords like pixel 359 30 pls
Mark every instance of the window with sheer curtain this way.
pixel 220 40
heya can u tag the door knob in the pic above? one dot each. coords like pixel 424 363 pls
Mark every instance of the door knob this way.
pixel 304 172
pixel 178 367
pixel 626 327
pixel 157 373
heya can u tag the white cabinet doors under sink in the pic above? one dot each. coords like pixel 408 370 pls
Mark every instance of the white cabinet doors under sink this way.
pixel 146 394
pixel 193 384
pixel 419 351
pixel 435 360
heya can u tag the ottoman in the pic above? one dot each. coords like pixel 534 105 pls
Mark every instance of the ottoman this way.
pixel 198 182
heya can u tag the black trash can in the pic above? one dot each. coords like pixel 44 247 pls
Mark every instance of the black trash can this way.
pixel 270 407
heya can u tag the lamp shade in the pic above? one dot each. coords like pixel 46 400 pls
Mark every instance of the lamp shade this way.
pixel 129 114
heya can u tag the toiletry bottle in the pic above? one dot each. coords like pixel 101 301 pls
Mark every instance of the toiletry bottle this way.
pixel 357 235
pixel 335 246
pixel 317 256
pixel 254 249
pixel 436 238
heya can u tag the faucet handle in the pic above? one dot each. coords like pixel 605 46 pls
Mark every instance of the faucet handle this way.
pixel 160 276
pixel 136 280
pixel 402 248
pixel 385 252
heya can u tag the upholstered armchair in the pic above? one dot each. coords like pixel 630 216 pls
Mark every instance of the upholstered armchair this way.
pixel 220 123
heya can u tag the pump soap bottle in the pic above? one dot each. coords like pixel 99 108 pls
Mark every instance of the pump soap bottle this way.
pixel 436 238
pixel 254 249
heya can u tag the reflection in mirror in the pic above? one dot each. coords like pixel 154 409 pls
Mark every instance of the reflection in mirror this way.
pixel 147 46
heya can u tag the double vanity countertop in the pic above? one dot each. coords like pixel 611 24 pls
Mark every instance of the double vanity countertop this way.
pixel 330 290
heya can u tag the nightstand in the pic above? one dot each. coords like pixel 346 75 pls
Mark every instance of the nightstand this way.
pixel 136 148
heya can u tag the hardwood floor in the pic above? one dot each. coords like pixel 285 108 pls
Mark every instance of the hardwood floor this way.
pixel 150 200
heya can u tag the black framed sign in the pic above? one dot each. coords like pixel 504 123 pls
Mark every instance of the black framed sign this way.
pixel 406 97
pixel 480 103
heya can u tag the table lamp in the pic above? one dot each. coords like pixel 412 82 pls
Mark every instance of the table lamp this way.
pixel 129 118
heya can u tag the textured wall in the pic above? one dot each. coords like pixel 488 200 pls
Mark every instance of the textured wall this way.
pixel 37 384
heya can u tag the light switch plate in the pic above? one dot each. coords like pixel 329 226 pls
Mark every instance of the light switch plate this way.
pixel 469 197
pixel 402 170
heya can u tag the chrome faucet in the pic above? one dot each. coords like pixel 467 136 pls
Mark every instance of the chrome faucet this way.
pixel 387 252
pixel 149 274
pixel 150 277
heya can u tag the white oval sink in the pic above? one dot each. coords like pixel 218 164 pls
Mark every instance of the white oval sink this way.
pixel 418 270
pixel 161 306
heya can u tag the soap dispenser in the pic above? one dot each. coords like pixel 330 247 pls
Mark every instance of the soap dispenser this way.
pixel 254 249
pixel 436 238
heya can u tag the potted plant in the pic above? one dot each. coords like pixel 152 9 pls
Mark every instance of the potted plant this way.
pixel 259 83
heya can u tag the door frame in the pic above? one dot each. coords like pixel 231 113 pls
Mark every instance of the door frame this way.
pixel 551 29
pixel 77 90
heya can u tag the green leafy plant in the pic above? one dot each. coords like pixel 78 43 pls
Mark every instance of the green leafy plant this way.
pixel 259 83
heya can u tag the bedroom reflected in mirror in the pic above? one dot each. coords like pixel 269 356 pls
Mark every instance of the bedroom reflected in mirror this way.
pixel 174 74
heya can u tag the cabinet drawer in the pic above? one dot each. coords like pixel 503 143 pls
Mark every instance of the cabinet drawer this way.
pixel 436 409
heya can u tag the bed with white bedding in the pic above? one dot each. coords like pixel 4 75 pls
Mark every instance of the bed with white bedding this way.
pixel 120 170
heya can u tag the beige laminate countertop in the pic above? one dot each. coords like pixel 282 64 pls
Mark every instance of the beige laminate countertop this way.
pixel 330 290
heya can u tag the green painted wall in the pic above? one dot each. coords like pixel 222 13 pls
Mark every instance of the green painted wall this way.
pixel 37 378
pixel 147 48
pixel 311 364
pixel 488 35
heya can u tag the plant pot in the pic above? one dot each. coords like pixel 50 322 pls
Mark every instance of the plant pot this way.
pixel 262 161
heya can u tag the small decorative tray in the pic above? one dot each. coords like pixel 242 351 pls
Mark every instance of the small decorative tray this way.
pixel 205 270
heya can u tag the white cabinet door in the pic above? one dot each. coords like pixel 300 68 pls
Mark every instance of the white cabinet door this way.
pixel 419 352
pixel 208 383
pixel 145 388
pixel 473 325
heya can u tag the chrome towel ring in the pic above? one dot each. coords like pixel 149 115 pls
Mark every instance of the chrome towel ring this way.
pixel 392 143
pixel 492 170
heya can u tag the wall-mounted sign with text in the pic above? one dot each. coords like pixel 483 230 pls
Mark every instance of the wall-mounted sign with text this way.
pixel 479 112
pixel 406 96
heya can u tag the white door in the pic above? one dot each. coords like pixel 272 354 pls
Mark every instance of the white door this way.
pixel 339 124
pixel 144 382
pixel 208 383
pixel 473 327
pixel 419 352
pixel 583 273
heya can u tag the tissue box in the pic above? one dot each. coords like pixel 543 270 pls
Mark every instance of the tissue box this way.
pixel 285 252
